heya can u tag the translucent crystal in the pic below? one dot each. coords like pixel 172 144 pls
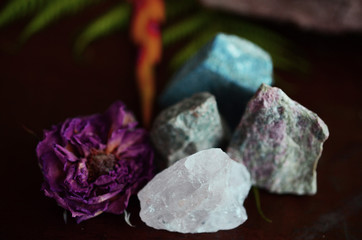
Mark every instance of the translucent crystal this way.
pixel 204 192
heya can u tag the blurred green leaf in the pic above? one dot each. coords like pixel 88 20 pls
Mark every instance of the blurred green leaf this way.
pixel 184 28
pixel 194 22
pixel 52 12
pixel 192 47
pixel 175 8
pixel 115 19
pixel 16 9
pixel 284 53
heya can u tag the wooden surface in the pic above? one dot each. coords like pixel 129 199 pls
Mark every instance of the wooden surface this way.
pixel 42 84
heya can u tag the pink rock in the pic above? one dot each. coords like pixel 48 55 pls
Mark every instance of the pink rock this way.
pixel 322 15
pixel 280 142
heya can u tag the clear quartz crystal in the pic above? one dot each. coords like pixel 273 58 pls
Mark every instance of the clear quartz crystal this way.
pixel 204 192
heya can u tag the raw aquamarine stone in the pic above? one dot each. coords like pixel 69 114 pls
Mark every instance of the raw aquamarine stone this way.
pixel 204 192
pixel 187 127
pixel 229 67
pixel 280 142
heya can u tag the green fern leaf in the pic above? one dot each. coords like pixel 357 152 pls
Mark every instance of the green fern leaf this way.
pixel 284 57
pixel 16 9
pixel 284 53
pixel 116 19
pixel 184 28
pixel 54 10
pixel 175 8
pixel 234 22
pixel 193 46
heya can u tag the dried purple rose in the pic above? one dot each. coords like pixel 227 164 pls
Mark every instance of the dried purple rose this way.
pixel 94 164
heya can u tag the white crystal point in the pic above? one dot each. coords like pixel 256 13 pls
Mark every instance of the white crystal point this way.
pixel 203 192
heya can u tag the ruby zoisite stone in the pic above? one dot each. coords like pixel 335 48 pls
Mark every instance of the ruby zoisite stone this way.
pixel 280 142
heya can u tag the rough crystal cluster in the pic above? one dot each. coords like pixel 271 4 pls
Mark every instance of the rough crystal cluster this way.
pixel 229 67
pixel 187 127
pixel 204 192
pixel 280 142
pixel 93 164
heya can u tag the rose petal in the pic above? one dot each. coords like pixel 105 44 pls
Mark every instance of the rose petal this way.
pixel 115 140
pixel 64 154
pixel 129 138
pixel 82 173
pixel 86 217
pixel 82 210
pixel 52 170
pixel 76 179
pixel 120 117
pixel 69 128
pixel 102 198
pixel 103 180
pixel 51 137
pixel 117 206
pixel 58 199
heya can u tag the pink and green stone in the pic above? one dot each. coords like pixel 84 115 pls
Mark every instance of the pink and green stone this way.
pixel 280 142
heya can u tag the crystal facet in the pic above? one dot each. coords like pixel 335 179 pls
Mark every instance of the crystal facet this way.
pixel 229 67
pixel 280 142
pixel 204 192
pixel 187 127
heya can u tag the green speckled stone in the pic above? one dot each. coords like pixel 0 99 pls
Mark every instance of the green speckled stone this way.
pixel 187 127
pixel 280 142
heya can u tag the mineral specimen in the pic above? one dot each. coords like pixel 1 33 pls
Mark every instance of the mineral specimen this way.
pixel 229 67
pixel 187 127
pixel 204 192
pixel 322 15
pixel 280 142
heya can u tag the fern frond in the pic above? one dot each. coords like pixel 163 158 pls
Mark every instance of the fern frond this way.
pixel 115 19
pixel 54 10
pixel 19 8
pixel 175 8
pixel 193 46
pixel 238 24
pixel 284 53
pixel 184 28
pixel 284 57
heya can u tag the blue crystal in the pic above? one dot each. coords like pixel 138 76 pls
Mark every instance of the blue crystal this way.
pixel 229 67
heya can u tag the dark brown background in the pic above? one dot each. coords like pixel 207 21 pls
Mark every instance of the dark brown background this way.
pixel 42 84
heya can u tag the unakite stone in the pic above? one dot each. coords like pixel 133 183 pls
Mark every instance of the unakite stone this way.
pixel 229 67
pixel 280 142
pixel 187 127
pixel 204 192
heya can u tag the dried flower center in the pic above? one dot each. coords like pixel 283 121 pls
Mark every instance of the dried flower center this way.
pixel 100 164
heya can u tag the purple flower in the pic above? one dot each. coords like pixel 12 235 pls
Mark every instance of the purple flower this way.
pixel 94 164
